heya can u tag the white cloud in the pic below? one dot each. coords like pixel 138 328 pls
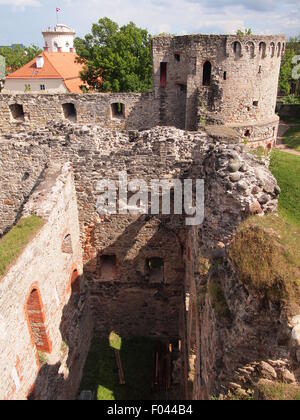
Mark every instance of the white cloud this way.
pixel 190 16
pixel 20 4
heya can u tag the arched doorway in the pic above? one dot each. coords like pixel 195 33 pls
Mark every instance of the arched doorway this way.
pixel 36 321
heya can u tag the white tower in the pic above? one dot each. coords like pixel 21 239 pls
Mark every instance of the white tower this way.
pixel 59 39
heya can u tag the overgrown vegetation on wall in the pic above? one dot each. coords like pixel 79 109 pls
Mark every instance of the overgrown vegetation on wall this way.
pixel 14 242
pixel 266 254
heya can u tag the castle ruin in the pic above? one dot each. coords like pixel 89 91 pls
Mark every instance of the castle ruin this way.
pixel 86 274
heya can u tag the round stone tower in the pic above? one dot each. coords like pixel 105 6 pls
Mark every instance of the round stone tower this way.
pixel 225 83
pixel 59 39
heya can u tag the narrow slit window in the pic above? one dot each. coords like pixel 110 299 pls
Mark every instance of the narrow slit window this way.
pixel 163 75
pixel 207 74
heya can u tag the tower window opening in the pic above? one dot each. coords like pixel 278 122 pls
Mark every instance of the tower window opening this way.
pixel 262 49
pixel 182 87
pixel 237 49
pixel 177 57
pixel 255 103
pixel 225 75
pixel 247 133
pixel 163 75
pixel 207 73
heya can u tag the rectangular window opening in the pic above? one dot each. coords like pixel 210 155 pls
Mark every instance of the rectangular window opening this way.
pixel 163 75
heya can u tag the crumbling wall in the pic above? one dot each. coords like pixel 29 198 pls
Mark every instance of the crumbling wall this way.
pixel 176 306
pixel 140 111
pixel 28 371
pixel 240 90
pixel 21 169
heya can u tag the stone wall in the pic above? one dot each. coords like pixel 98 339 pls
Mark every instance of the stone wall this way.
pixel 22 167
pixel 124 297
pixel 242 89
pixel 45 268
pixel 140 111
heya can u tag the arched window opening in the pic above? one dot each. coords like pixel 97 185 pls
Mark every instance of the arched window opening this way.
pixel 108 267
pixel 36 321
pixel 17 112
pixel 278 49
pixel 247 133
pixel 69 112
pixel 118 110
pixel 163 74
pixel 237 49
pixel 272 49
pixel 262 49
pixel 251 49
pixel 67 247
pixel 207 73
pixel 155 269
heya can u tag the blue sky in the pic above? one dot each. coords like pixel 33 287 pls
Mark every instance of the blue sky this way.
pixel 21 21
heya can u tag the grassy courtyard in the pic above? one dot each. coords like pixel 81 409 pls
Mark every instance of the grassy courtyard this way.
pixel 101 373
pixel 286 169
pixel 292 138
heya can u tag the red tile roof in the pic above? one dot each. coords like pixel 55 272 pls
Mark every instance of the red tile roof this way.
pixel 56 66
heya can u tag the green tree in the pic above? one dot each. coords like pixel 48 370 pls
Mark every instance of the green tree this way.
pixel 17 56
pixel 286 79
pixel 247 31
pixel 116 58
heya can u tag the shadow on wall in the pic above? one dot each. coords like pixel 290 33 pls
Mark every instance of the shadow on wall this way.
pixel 61 381
pixel 135 297
pixel 130 111
pixel 136 283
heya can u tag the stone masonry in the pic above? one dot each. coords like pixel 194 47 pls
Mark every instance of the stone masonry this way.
pixel 199 81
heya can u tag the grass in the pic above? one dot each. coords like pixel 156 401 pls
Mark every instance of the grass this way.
pixel 13 243
pixel 101 373
pixel 292 138
pixel 260 152
pixel 218 298
pixel 43 359
pixel 286 169
pixel 277 391
pixel 266 254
